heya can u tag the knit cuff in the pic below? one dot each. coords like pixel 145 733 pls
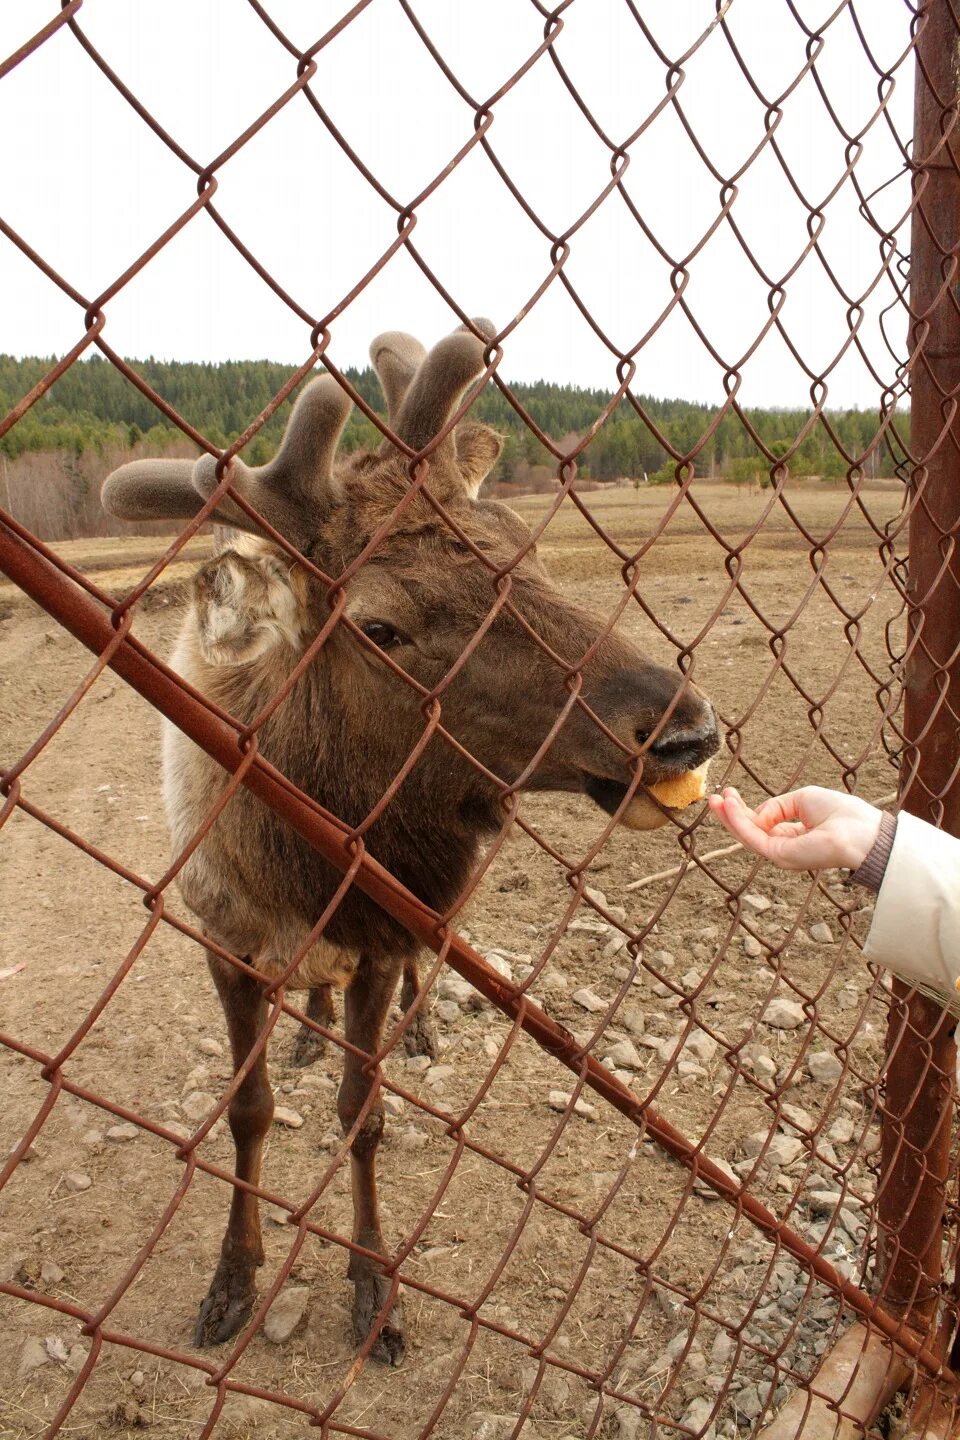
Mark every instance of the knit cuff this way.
pixel 870 874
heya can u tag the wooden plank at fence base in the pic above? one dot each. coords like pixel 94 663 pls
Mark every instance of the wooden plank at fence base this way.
pixel 856 1379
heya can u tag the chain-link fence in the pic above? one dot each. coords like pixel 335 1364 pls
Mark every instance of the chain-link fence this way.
pixel 662 1155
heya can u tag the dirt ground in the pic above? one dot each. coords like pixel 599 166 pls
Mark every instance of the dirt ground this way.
pixel 582 1246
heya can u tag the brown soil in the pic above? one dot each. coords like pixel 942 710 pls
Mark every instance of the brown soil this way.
pixel 607 1245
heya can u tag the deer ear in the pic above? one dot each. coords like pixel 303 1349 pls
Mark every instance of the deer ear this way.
pixel 478 450
pixel 247 601
pixel 437 389
pixel 396 358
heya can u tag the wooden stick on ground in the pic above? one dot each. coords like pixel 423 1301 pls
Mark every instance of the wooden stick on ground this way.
pixel 675 870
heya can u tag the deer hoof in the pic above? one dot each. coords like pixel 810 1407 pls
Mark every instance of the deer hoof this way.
pixel 227 1308
pixel 308 1047
pixel 418 1037
pixel 370 1296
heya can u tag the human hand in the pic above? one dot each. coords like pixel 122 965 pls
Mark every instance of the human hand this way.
pixel 809 829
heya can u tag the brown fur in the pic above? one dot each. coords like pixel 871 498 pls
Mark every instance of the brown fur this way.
pixel 349 724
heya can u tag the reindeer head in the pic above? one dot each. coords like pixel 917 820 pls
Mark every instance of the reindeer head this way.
pixel 423 597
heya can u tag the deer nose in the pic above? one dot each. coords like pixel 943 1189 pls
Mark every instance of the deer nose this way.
pixel 684 746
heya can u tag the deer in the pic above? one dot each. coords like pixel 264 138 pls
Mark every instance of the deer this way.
pixel 422 600
pixel 248 601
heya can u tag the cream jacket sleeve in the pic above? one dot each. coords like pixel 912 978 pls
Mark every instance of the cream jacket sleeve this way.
pixel 916 922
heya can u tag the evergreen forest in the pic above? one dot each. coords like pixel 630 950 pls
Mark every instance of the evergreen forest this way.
pixel 93 408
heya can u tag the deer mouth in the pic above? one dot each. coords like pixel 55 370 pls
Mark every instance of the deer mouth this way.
pixel 608 794
pixel 643 811
pixel 670 760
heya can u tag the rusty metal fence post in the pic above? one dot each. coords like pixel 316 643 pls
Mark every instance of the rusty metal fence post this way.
pixel 921 1053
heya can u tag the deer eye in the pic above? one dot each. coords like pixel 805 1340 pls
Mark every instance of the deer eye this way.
pixel 383 635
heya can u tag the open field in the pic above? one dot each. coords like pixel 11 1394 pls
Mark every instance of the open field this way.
pixel 608 1245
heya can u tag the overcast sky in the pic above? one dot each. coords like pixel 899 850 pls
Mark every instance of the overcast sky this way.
pixel 89 186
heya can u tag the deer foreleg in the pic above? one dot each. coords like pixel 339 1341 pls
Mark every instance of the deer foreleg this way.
pixel 366 1003
pixel 233 1290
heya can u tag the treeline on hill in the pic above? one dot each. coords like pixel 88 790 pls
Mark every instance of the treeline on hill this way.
pixel 93 418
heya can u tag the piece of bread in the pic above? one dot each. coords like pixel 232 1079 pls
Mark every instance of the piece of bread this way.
pixel 643 813
pixel 684 790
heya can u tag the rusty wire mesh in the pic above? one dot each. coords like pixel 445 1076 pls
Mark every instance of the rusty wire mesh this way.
pixel 573 1262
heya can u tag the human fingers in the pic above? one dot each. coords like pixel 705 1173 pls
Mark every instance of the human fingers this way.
pixel 739 819
pixel 791 846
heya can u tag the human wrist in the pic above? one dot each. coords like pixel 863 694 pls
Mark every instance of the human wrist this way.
pixel 863 831
pixel 872 868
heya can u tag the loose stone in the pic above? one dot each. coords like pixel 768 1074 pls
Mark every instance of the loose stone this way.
pixel 122 1132
pixel 696 1416
pixel 283 1115
pixel 454 987
pixel 198 1104
pixel 747 1402
pixel 199 1077
pixel 560 1099
pixel 413 1139
pixel 701 1045
pixel 32 1356
pixel 286 1313
pixel 690 1068
pixel 783 1014
pixel 824 1067
pixel 796 1116
pixel 778 1150
pixel 76 1359
pixel 841 1131
pixel 704 1188
pixel 500 963
pixel 625 1054
pixel 764 1067
pixel 823 1202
